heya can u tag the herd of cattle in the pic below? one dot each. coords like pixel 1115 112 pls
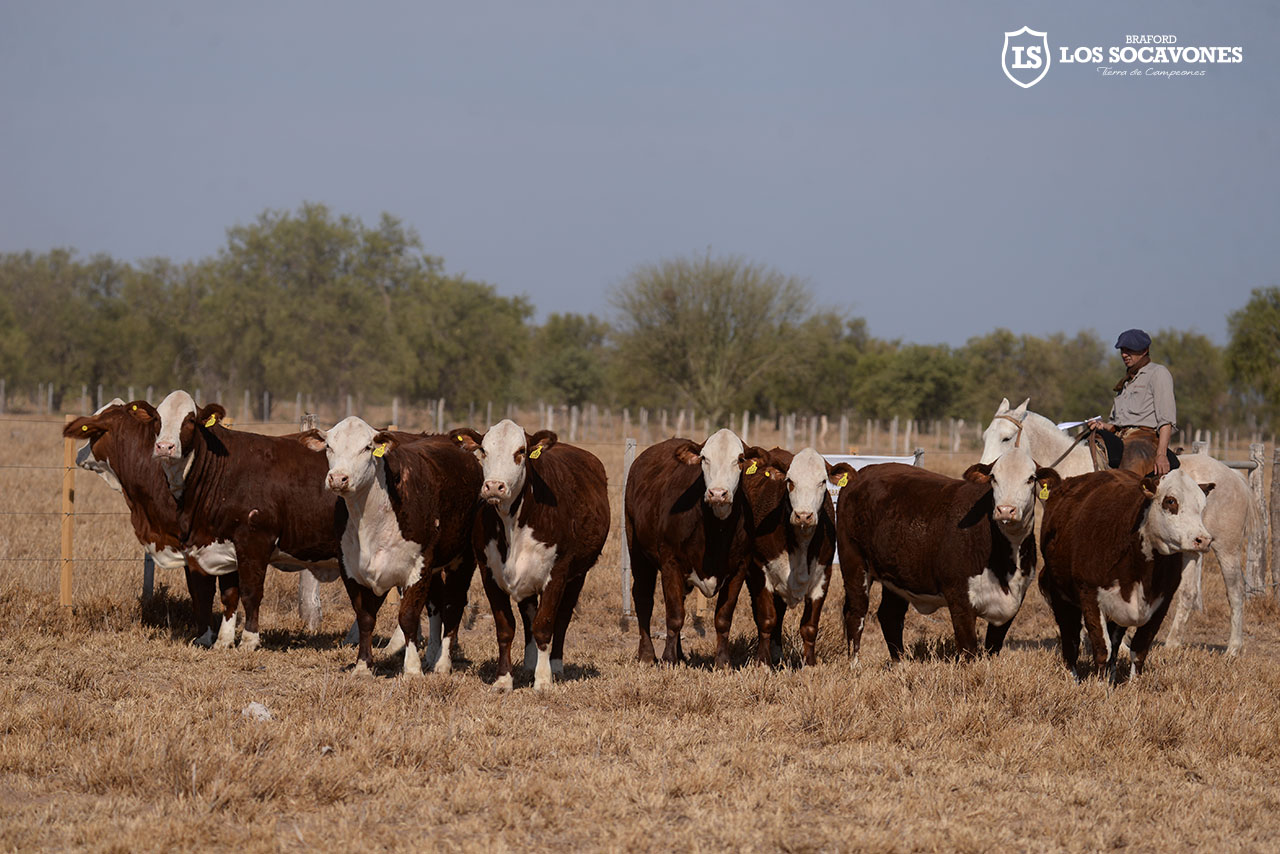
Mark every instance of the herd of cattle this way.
pixel 418 512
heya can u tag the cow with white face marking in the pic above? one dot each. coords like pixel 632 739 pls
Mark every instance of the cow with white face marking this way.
pixel 543 523
pixel 792 528
pixel 1115 545
pixel 933 541
pixel 411 504
pixel 119 449
pixel 686 519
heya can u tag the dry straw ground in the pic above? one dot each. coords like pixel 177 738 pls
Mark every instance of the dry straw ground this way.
pixel 118 735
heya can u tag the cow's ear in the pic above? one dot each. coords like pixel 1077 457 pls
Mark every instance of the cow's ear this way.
pixel 539 442
pixel 382 442
pixel 467 438
pixel 978 473
pixel 1047 480
pixel 315 440
pixel 143 411
pixel 689 454
pixel 1149 485
pixel 753 460
pixel 210 414
pixel 1207 487
pixel 841 474
pixel 89 426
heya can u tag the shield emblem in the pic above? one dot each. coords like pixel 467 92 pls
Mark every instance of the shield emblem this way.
pixel 1025 57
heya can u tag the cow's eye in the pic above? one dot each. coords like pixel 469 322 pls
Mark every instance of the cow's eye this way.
pixel 1031 479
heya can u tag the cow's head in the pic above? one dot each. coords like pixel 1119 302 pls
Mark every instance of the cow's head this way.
pixel 505 452
pixel 353 449
pixel 173 412
pixel 1004 430
pixel 95 454
pixel 1015 481
pixel 722 461
pixel 1174 514
pixel 807 479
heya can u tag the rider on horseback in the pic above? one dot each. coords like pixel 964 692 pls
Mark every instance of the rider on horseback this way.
pixel 1144 411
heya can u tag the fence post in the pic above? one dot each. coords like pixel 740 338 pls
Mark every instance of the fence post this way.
pixel 2 396
pixel 1255 571
pixel 68 519
pixel 628 457
pixel 1199 447
pixel 148 575
pixel 1275 520
pixel 309 607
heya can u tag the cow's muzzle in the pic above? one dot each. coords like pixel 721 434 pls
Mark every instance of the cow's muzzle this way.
pixel 338 482
pixel 1005 513
pixel 494 491
pixel 804 519
pixel 166 450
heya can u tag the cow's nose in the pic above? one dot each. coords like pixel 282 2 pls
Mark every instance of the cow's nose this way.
pixel 164 449
pixel 1203 543
pixel 493 490
pixel 803 518
pixel 338 481
pixel 1005 513
pixel 718 495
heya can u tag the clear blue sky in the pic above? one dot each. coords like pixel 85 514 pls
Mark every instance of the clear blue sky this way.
pixel 876 151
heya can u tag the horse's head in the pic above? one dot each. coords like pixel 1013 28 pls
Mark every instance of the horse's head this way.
pixel 1004 431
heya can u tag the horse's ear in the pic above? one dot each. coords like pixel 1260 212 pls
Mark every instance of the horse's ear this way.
pixel 1022 408
pixel 1003 407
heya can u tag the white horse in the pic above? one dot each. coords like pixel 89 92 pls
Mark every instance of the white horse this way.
pixel 1229 512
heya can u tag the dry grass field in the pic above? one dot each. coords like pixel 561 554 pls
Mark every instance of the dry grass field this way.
pixel 116 734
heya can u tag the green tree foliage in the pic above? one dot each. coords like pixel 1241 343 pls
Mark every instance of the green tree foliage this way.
pixel 706 330
pixel 571 359
pixel 1066 378
pixel 1253 354
pixel 1199 378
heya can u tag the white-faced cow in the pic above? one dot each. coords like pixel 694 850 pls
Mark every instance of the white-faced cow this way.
pixel 686 519
pixel 934 541
pixel 792 526
pixel 544 522
pixel 1115 545
pixel 121 437
pixel 411 504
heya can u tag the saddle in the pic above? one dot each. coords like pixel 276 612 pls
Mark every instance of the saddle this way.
pixel 1139 455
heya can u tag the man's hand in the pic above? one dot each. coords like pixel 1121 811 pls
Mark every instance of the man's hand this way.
pixel 1162 465
pixel 1099 424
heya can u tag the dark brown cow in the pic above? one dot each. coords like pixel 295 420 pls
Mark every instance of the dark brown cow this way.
pixel 249 500
pixel 120 450
pixel 544 523
pixel 686 519
pixel 411 502
pixel 792 528
pixel 1114 545
pixel 934 541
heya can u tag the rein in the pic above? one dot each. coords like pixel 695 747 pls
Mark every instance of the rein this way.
pixel 1017 442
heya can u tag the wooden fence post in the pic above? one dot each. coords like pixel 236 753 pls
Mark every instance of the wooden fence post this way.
pixel 309 607
pixel 628 457
pixel 1255 571
pixel 1275 520
pixel 148 576
pixel 68 517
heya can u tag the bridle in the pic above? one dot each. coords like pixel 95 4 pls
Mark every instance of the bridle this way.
pixel 1017 442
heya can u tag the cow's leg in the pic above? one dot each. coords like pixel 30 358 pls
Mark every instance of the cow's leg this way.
pixel 457 582
pixel 775 642
pixel 673 593
pixel 892 614
pixel 564 614
pixel 1233 577
pixel 1186 595
pixel 229 584
pixel 1143 637
pixel 765 613
pixel 1067 615
pixel 412 600
pixel 504 623
pixel 644 578
pixel 434 639
pixel 993 641
pixel 201 588
pixel 726 604
pixel 251 557
pixel 964 622
pixel 366 604
pixel 1099 639
pixel 857 587
pixel 545 615
pixel 528 614
pixel 809 628
pixel 1115 634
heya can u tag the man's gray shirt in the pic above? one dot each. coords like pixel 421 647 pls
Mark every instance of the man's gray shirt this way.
pixel 1147 400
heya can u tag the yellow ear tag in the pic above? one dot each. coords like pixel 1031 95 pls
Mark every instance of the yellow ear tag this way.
pixel 766 473
pixel 459 438
pixel 751 469
pixel 844 480
pixel 213 419
pixel 84 427
pixel 1044 492
pixel 134 407
pixel 537 452
pixel 379 451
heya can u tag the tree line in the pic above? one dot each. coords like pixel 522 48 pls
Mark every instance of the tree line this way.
pixel 311 302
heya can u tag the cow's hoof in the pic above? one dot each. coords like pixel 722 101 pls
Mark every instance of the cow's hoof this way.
pixel 205 640
pixel 542 685
pixel 361 669
pixel 557 667
pixel 443 666
pixel 250 641
pixel 504 684
pixel 1234 649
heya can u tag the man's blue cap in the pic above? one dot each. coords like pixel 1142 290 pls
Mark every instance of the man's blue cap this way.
pixel 1133 339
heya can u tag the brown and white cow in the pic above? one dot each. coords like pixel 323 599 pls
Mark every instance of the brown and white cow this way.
pixel 249 500
pixel 121 437
pixel 544 522
pixel 686 520
pixel 792 528
pixel 934 541
pixel 411 505
pixel 1114 549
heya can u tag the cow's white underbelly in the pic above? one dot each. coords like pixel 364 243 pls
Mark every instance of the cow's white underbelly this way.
pixel 375 552
pixel 166 558
pixel 1135 611
pixel 217 558
pixel 527 568
pixel 794 577
pixel 925 603
pixel 992 602
pixel 707 586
